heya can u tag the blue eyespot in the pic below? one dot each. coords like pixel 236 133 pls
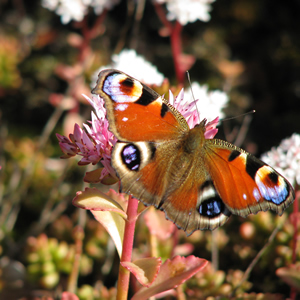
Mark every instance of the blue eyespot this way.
pixel 211 208
pixel 131 157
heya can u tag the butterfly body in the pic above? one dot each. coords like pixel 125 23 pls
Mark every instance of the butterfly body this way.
pixel 197 182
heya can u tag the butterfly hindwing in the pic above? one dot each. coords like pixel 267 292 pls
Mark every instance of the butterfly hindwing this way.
pixel 245 183
pixel 175 184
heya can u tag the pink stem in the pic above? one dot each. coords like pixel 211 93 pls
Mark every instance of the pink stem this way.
pixel 177 51
pixel 162 16
pixel 88 34
pixel 124 274
pixel 176 45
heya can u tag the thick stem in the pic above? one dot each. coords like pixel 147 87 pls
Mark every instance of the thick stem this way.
pixel 124 274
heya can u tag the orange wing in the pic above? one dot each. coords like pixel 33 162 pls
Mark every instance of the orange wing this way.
pixel 135 112
pixel 246 184
pixel 160 174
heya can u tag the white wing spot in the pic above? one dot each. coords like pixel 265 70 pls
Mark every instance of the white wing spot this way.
pixel 256 194
pixel 121 107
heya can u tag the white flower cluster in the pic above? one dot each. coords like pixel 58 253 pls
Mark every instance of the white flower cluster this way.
pixel 209 103
pixel 134 65
pixel 77 9
pixel 185 11
pixel 188 11
pixel 286 158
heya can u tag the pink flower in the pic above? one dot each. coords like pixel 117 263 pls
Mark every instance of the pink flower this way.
pixel 94 144
pixel 190 113
pixel 211 129
pixel 66 146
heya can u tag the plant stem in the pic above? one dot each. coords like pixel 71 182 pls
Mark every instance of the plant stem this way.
pixel 73 278
pixel 124 274
pixel 177 51
pixel 295 221
pixel 176 43
pixel 214 249
pixel 256 259
pixel 293 292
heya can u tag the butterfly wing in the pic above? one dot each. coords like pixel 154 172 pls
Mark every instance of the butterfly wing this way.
pixel 177 184
pixel 246 184
pixel 135 112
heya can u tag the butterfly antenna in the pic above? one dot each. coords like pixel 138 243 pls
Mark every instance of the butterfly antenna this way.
pixel 241 115
pixel 189 80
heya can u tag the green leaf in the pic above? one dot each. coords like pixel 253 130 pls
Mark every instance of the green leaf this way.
pixel 94 177
pixel 93 199
pixel 114 225
pixel 290 275
pixel 172 273
pixel 106 211
pixel 145 270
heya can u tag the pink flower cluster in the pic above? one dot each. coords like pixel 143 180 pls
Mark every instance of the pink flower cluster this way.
pixel 96 142
pixel 191 114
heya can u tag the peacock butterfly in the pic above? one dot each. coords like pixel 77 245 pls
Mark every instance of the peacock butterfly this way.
pixel 197 182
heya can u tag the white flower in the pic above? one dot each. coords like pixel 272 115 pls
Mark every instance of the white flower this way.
pixel 100 5
pixel 286 158
pixel 188 11
pixel 209 103
pixel 50 4
pixel 134 65
pixel 77 9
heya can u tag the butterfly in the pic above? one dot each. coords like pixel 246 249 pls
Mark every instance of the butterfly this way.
pixel 197 182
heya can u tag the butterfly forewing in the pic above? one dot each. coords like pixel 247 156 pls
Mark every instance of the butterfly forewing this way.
pixel 135 112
